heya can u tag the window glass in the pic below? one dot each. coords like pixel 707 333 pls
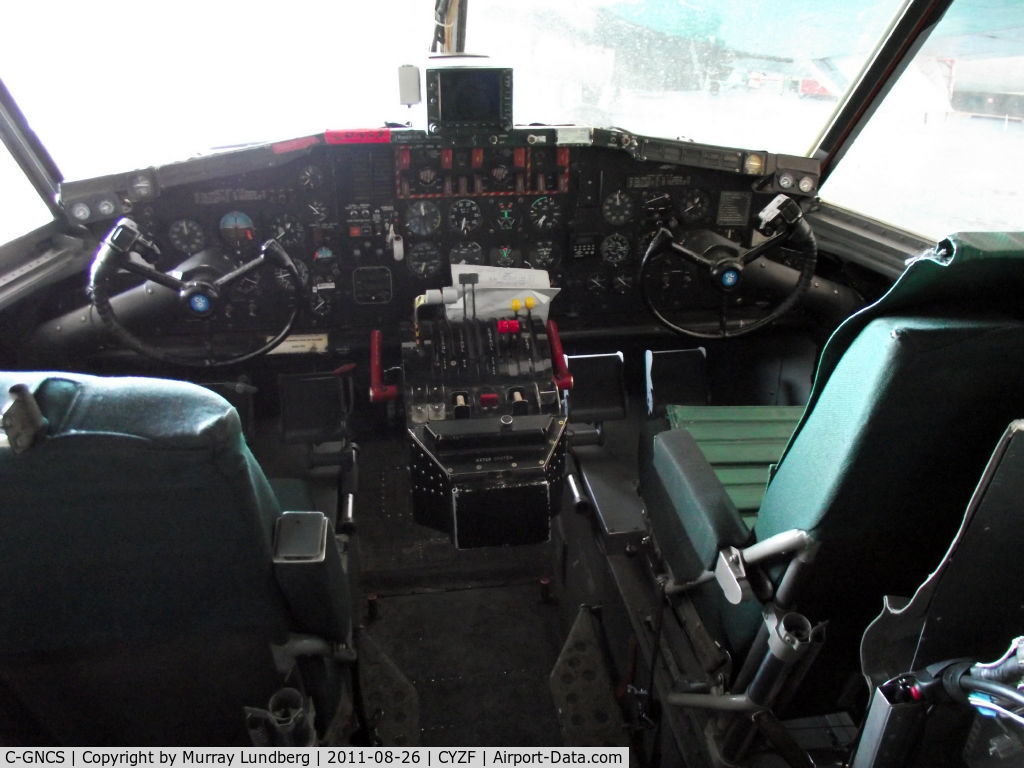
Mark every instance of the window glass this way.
pixel 757 74
pixel 943 153
pixel 23 209
pixel 123 84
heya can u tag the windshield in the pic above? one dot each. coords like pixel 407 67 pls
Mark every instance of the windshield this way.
pixel 127 85
pixel 764 74
pixel 130 87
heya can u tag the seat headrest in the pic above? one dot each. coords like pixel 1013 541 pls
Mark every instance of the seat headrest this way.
pixel 172 413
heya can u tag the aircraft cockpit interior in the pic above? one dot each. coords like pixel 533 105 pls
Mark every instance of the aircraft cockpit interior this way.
pixel 612 373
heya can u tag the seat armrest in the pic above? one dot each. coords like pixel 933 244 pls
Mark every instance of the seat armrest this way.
pixel 709 519
pixel 311 573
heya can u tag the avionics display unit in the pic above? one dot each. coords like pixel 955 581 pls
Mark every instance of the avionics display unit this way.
pixel 467 100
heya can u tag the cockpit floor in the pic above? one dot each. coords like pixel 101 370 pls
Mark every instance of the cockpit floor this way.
pixel 479 659
pixel 469 628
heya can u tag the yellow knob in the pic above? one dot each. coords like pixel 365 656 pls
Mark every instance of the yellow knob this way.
pixel 530 302
pixel 516 305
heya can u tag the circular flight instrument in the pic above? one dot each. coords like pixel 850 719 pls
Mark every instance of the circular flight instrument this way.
pixel 424 259
pixel 695 206
pixel 237 229
pixel 644 242
pixel 505 217
pixel 428 177
pixel 317 210
pixel 622 284
pixel 615 249
pixel 466 253
pixel 657 206
pixel 464 216
pixel 288 230
pixel 310 177
pixel 544 213
pixel 502 176
pixel 503 256
pixel 544 254
pixel 283 278
pixel 320 302
pixel 323 255
pixel 423 217
pixel 248 285
pixel 187 235
pixel 618 208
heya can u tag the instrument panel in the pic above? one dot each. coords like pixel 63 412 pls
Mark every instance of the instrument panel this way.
pixel 371 224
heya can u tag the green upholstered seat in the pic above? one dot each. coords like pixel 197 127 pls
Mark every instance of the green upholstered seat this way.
pixel 910 397
pixel 140 599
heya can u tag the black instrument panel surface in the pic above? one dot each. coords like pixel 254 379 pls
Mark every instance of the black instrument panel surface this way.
pixel 372 225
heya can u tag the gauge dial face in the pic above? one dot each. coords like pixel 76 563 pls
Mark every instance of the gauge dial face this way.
pixel 237 229
pixel 310 177
pixel 466 253
pixel 615 249
pixel 501 176
pixel 141 185
pixel 503 256
pixel 618 208
pixel 597 283
pixel 643 243
pixel 657 206
pixel 283 279
pixel 423 217
pixel 428 177
pixel 464 216
pixel 505 216
pixel 288 230
pixel 545 213
pixel 317 211
pixel 424 259
pixel 622 284
pixel 544 255
pixel 695 206
pixel 323 255
pixel 247 285
pixel 319 300
pixel 187 235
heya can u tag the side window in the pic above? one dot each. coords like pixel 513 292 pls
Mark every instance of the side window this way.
pixel 943 151
pixel 21 208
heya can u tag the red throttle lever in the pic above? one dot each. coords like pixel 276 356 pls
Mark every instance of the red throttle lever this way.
pixel 379 391
pixel 561 377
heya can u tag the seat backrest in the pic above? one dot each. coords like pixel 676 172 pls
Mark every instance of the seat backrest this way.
pixel 139 595
pixel 884 466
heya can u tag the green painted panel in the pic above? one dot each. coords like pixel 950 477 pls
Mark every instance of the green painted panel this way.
pixel 742 474
pixel 680 414
pixel 741 443
pixel 741 430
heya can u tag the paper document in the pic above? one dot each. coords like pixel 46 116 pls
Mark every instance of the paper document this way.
pixel 497 287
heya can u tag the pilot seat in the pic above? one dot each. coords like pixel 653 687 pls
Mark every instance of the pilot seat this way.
pixel 910 396
pixel 154 590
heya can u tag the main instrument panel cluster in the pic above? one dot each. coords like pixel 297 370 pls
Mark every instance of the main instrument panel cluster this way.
pixel 373 218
